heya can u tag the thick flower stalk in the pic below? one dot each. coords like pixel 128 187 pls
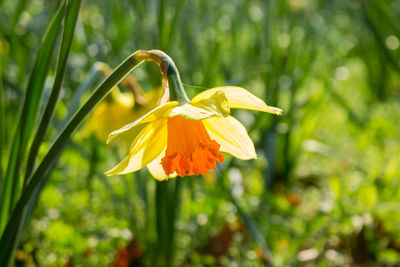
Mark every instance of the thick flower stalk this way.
pixel 186 137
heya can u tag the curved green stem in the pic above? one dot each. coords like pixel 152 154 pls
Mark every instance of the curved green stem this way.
pixel 171 80
pixel 13 230
pixel 11 233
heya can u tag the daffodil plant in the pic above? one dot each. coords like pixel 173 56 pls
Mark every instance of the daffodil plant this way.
pixel 180 137
pixel 186 137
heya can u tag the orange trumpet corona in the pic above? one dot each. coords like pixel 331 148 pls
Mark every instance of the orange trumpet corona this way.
pixel 190 149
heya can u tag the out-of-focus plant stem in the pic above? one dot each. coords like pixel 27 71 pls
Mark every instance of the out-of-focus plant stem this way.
pixel 3 140
pixel 161 25
pixel 373 22
pixel 249 223
pixel 174 22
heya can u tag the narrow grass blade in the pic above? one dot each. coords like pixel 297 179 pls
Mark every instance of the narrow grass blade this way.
pixel 382 23
pixel 3 140
pixel 19 8
pixel 140 11
pixel 30 110
pixel 11 235
pixel 71 17
pixel 387 13
pixel 251 226
pixel 161 25
pixel 174 22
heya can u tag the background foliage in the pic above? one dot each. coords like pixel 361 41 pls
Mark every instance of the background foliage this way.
pixel 325 187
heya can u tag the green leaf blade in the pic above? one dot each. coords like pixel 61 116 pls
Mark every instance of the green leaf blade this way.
pixel 30 110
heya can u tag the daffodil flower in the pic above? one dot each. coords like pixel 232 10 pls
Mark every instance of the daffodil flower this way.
pixel 188 139
pixel 183 137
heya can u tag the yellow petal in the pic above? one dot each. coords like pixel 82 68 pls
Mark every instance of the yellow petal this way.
pixel 156 170
pixel 157 113
pixel 239 98
pixel 147 146
pixel 215 104
pixel 232 136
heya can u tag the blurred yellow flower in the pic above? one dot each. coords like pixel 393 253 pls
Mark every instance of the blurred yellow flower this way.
pixel 120 108
pixel 187 139
pixel 117 110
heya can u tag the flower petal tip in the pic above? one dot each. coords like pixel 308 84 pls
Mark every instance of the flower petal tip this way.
pixel 114 171
pixel 250 157
pixel 274 110
pixel 110 138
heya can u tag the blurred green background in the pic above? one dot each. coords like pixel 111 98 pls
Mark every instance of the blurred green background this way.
pixel 324 190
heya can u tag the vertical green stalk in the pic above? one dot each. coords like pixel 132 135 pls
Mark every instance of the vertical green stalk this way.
pixel 19 8
pixel 161 25
pixel 167 206
pixel 18 54
pixel 93 163
pixel 71 17
pixel 140 12
pixel 173 26
pixel 30 109
pixel 8 182
pixel 2 122
pixel 375 27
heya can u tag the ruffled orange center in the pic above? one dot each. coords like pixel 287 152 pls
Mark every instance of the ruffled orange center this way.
pixel 190 149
